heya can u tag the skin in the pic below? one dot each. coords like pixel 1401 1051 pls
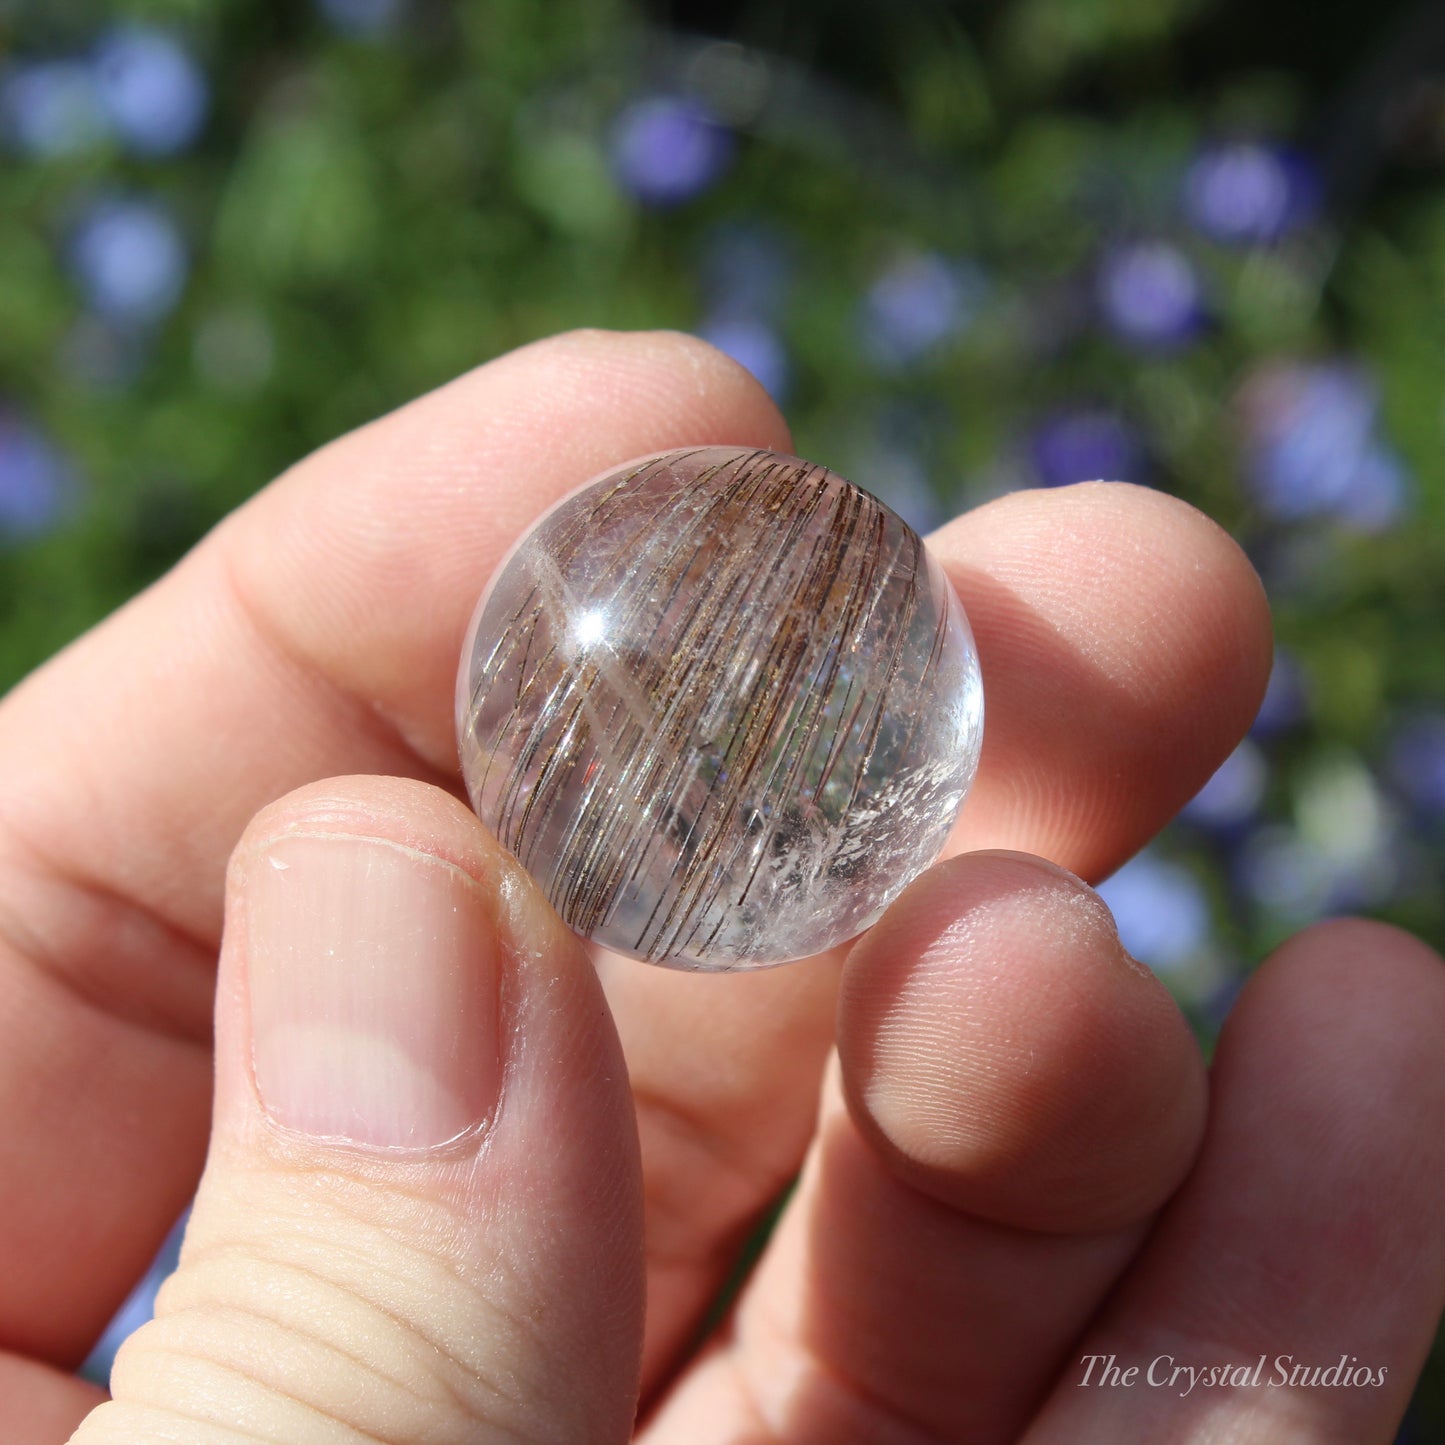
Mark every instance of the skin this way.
pixel 1011 1153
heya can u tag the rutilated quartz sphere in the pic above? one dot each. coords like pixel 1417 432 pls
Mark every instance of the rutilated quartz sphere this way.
pixel 723 705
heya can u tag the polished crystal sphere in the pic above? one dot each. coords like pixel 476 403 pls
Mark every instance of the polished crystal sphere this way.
pixel 723 705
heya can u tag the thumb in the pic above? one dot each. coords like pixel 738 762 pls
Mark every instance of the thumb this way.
pixel 421 1212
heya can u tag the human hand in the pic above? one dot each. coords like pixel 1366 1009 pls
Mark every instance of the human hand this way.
pixel 422 1216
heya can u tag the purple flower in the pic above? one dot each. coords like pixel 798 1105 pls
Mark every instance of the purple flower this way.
pixel 891 454
pixel 1249 193
pixel 1233 794
pixel 361 17
pixel 129 259
pixel 1299 878
pixel 1377 493
pixel 898 477
pixel 1085 444
pixel 1417 763
pixel 36 483
pixel 152 89
pixel 1285 697
pixel 1150 296
pixel 915 304
pixel 755 345
pixel 1343 852
pixel 1313 450
pixel 51 108
pixel 1285 874
pixel 667 149
pixel 746 269
pixel 1161 911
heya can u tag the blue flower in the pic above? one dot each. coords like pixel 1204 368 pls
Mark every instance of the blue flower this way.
pixel 1314 451
pixel 1286 875
pixel 1377 493
pixel 51 108
pixel 1297 879
pixel 1345 850
pixel 153 91
pixel 1250 193
pixel 361 17
pixel 667 149
pixel 893 464
pixel 1233 794
pixel 1161 911
pixel 129 259
pixel 1417 763
pixel 1285 697
pixel 1310 436
pixel 36 483
pixel 1085 444
pixel 746 269
pixel 899 479
pixel 755 345
pixel 915 304
pixel 1150 295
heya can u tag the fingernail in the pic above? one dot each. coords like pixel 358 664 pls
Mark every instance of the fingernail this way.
pixel 373 984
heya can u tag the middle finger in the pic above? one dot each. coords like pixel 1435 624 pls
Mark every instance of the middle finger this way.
pixel 1022 1096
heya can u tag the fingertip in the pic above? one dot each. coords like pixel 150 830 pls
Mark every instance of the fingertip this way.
pixel 1357 950
pixel 1006 1056
pixel 662 374
pixel 1193 588
pixel 1372 985
pixel 1123 635
pixel 404 808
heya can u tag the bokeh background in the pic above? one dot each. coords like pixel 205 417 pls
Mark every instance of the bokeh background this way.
pixel 968 246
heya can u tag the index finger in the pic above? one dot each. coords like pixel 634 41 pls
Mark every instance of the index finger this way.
pixel 315 632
